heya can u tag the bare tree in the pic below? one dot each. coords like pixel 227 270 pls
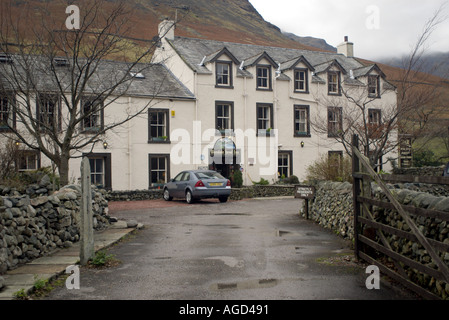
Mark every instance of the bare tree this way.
pixel 59 81
pixel 379 128
pixel 358 112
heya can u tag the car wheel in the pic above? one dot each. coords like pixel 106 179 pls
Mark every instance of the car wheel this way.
pixel 189 197
pixel 223 199
pixel 167 196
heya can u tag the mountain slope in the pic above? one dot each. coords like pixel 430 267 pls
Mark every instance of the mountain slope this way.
pixel 226 20
pixel 433 63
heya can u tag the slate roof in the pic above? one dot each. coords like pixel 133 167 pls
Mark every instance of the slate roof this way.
pixel 193 51
pixel 152 80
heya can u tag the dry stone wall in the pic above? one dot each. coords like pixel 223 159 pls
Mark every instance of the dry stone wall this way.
pixel 33 225
pixel 333 209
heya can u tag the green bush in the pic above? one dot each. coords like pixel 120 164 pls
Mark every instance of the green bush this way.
pixel 332 168
pixel 237 179
pixel 426 158
pixel 290 180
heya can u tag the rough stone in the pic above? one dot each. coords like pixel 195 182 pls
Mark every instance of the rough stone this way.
pixel 32 227
pixel 131 224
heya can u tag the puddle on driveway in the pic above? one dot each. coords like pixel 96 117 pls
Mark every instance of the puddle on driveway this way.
pixel 229 261
pixel 248 284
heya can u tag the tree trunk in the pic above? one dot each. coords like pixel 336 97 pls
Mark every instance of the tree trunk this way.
pixel 63 168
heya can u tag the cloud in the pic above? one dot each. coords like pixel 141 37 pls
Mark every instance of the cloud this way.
pixel 399 22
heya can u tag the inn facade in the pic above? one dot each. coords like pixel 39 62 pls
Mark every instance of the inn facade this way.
pixel 269 112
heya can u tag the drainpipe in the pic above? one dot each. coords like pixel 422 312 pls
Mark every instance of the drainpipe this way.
pixel 275 117
pixel 245 144
pixel 129 150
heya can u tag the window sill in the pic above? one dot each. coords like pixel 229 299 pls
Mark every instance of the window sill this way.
pixel 302 135
pixel 159 141
pixel 91 131
pixel 224 86
pixel 301 92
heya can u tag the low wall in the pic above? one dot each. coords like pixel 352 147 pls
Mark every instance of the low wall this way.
pixel 333 209
pixel 32 226
pixel 256 191
pixel 422 171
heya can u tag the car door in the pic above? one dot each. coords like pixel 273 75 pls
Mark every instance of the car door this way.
pixel 173 185
pixel 182 184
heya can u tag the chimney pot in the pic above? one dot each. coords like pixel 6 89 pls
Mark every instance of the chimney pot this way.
pixel 346 48
pixel 167 29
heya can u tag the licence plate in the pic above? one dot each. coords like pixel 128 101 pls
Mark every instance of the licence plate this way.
pixel 215 184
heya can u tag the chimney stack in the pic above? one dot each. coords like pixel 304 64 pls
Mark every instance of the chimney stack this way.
pixel 167 29
pixel 346 48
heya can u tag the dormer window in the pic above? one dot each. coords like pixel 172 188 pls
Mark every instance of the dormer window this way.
pixel 333 82
pixel 301 81
pixel 223 72
pixel 373 87
pixel 263 77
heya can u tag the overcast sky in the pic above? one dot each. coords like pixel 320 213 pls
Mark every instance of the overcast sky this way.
pixel 378 28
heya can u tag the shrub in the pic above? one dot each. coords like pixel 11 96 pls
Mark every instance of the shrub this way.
pixel 426 158
pixel 334 168
pixel 237 179
pixel 290 180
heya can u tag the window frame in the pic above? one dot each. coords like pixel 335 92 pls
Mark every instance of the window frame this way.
pixel 335 110
pixel 268 77
pixel 100 115
pixel 376 85
pixel 158 139
pixel 228 85
pixel 150 169
pixel 107 161
pixel 10 122
pixel 305 108
pixel 297 71
pixel 371 113
pixel 56 126
pixel 289 166
pixel 337 74
pixel 24 155
pixel 230 104
pixel 268 106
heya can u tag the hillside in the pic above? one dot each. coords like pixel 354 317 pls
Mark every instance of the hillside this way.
pixel 226 20
pixel 433 63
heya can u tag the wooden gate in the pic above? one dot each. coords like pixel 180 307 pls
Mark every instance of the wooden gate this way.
pixel 374 236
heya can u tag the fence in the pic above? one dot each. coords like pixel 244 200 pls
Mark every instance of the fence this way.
pixel 370 231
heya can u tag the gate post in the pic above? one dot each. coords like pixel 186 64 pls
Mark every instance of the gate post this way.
pixel 86 228
pixel 355 193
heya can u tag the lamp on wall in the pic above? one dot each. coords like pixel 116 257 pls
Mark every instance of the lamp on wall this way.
pixel 105 144
pixel 302 144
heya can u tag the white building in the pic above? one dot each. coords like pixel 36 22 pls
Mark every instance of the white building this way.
pixel 267 111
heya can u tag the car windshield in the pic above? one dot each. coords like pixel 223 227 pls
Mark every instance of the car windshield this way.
pixel 208 175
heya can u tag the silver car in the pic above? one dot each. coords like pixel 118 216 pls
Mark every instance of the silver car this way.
pixel 198 184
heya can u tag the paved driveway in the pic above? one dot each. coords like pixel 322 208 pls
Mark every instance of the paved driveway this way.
pixel 251 249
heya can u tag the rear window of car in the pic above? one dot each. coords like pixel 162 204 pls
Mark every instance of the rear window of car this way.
pixel 208 175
